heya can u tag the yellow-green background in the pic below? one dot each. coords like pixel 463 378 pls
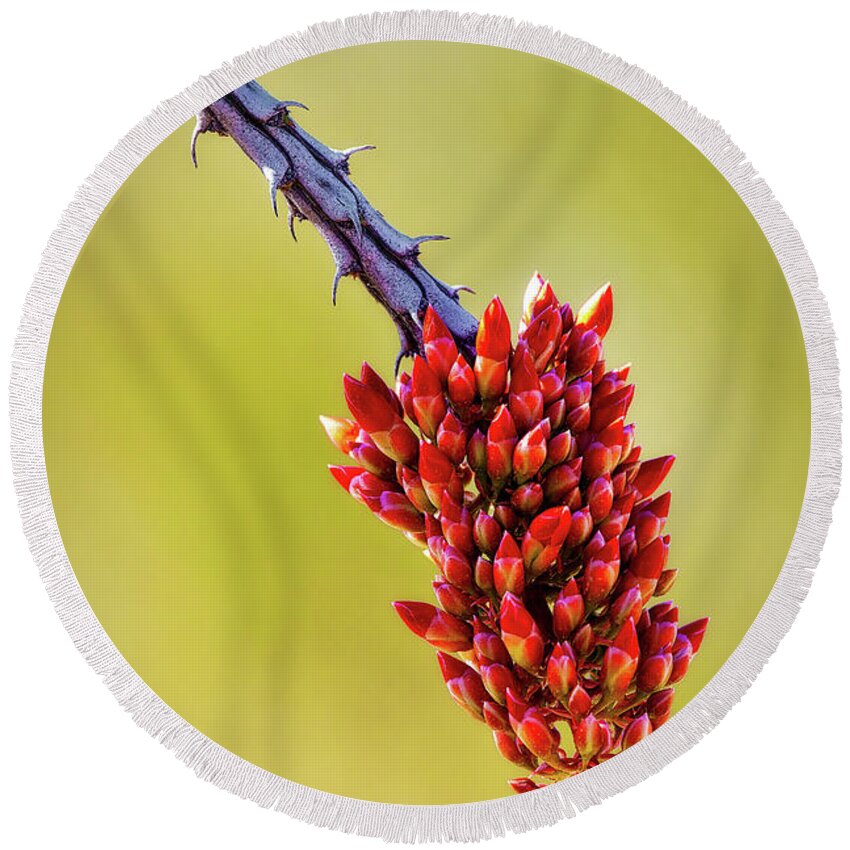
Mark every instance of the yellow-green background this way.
pixel 195 347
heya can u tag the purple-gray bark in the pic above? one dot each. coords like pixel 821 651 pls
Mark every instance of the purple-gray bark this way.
pixel 314 179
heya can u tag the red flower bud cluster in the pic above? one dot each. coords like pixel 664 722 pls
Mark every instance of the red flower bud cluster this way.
pixel 520 478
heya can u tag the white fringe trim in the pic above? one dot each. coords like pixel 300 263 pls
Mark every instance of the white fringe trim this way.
pixel 469 821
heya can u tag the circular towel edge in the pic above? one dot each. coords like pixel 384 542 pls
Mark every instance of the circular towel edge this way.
pixel 394 822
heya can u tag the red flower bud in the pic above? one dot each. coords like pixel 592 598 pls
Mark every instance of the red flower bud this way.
pixel 396 511
pixel 541 738
pixel 655 672
pixel 620 661
pixel 627 605
pixel 598 311
pixel 658 636
pixel 666 581
pixel 487 533
pixel 583 640
pixel 483 574
pixel 556 413
pixel 611 381
pixel 600 498
pixel 530 452
pixel 695 632
pixel 451 438
pixel 615 523
pixel 609 409
pixel 543 336
pixel 561 448
pixel 405 395
pixel 372 459
pixel 528 498
pixel 577 393
pixel 342 432
pixel 380 419
pixel 583 351
pixel 658 707
pixel 428 401
pixel 552 386
pixel 508 568
pixel 452 599
pixel 456 569
pixel 442 630
pixel 456 523
pixel 488 645
pixel 650 520
pixel 578 419
pixel 506 516
pixel 496 717
pixel 512 750
pixel 498 679
pixel 523 785
pixel 578 703
pixel 525 398
pixel 370 378
pixel 601 572
pixel 476 451
pixel 436 472
pixel 561 675
pixel 561 480
pixel 438 343
pixel 543 541
pixel 682 654
pixel 652 473
pixel 589 737
pixel 461 384
pixel 464 685
pixel 493 348
pixel 537 297
pixel 580 528
pixel 568 610
pixel 636 731
pixel 501 439
pixel 414 490
pixel 648 563
pixel 520 633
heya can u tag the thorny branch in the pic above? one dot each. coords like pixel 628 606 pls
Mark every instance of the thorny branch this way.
pixel 314 179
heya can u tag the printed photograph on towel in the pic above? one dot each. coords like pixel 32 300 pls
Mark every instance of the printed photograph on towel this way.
pixel 421 521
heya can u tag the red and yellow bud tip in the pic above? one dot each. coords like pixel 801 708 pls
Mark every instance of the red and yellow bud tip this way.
pixel 441 629
pixel 598 311
pixel 520 634
pixel 493 348
pixel 438 343
pixel 508 568
pixel 545 537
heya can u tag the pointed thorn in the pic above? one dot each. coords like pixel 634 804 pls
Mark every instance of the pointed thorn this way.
pixel 349 152
pixel 200 127
pixel 279 113
pixel 339 274
pixel 433 237
pixel 403 352
pixel 462 288
pixel 290 220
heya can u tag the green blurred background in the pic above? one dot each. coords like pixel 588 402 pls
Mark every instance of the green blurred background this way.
pixel 195 347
